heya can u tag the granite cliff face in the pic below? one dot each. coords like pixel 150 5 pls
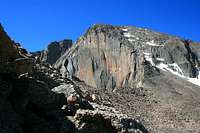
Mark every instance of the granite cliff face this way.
pixel 110 56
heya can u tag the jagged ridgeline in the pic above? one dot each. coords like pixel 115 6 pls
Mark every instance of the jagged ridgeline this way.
pixel 12 59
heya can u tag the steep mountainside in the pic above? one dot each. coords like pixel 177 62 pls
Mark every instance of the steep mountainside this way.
pixel 153 76
pixel 109 57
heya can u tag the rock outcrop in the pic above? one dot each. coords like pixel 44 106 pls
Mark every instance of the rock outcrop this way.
pixel 153 76
pixel 7 49
pixel 110 56
pixel 53 52
pixel 27 104
pixel 12 58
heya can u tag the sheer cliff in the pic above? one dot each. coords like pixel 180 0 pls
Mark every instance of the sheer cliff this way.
pixel 119 56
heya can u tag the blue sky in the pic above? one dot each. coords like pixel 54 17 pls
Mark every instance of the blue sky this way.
pixel 35 23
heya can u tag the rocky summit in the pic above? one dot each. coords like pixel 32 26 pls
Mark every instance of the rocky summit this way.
pixel 111 57
pixel 113 79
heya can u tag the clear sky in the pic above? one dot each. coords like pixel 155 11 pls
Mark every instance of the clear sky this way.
pixel 35 23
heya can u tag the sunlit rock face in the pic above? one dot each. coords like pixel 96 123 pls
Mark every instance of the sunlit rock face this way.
pixel 110 56
pixel 102 59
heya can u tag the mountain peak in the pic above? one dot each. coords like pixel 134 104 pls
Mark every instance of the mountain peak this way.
pixel 111 75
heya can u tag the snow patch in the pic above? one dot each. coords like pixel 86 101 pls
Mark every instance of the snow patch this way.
pixel 195 81
pixel 131 37
pixel 152 43
pixel 128 35
pixel 172 68
pixel 137 38
pixel 148 54
pixel 148 57
pixel 176 70
pixel 131 40
pixel 125 30
pixel 160 59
